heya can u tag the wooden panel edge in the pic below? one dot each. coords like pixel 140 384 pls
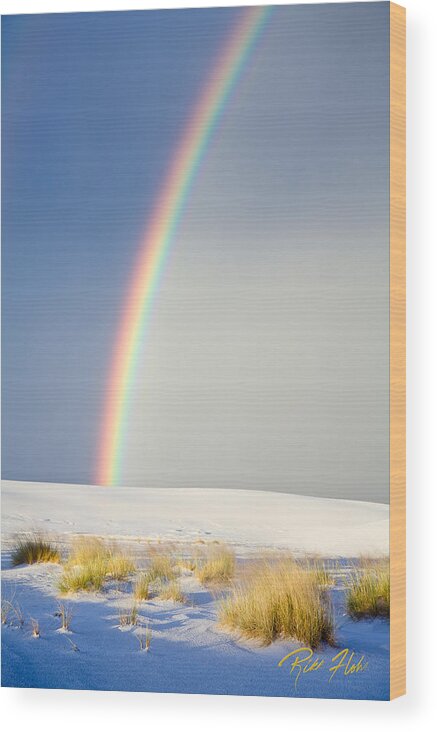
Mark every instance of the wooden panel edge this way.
pixel 397 354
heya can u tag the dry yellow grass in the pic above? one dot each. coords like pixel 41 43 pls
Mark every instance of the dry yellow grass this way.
pixel 172 591
pixel 87 549
pixel 35 628
pixel 91 563
pixel 141 587
pixel 88 577
pixel 144 639
pixel 217 566
pixel 11 613
pixel 319 571
pixel 33 549
pixel 128 617
pixel 119 567
pixel 188 563
pixel 65 616
pixel 279 599
pixel 368 589
pixel 161 566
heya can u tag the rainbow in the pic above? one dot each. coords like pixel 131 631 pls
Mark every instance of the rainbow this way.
pixel 160 234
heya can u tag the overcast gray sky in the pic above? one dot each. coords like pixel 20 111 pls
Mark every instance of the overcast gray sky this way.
pixel 266 365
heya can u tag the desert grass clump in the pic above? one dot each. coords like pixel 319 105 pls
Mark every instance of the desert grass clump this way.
pixel 87 549
pixel 11 613
pixel 35 628
pixel 368 590
pixel 120 566
pixel 218 566
pixel 172 591
pixel 161 567
pixel 65 616
pixel 145 639
pixel 89 577
pixel 279 599
pixel 188 563
pixel 5 611
pixel 128 617
pixel 142 587
pixel 33 549
pixel 91 563
pixel 319 571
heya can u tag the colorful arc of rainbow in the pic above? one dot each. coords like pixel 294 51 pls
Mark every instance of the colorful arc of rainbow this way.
pixel 159 236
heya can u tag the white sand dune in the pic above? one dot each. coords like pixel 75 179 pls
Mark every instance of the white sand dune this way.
pixel 189 651
pixel 249 518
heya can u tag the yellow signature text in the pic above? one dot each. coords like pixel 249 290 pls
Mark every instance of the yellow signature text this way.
pixel 345 661
pixel 303 661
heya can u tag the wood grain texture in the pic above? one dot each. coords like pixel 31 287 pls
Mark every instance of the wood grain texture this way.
pixel 397 353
